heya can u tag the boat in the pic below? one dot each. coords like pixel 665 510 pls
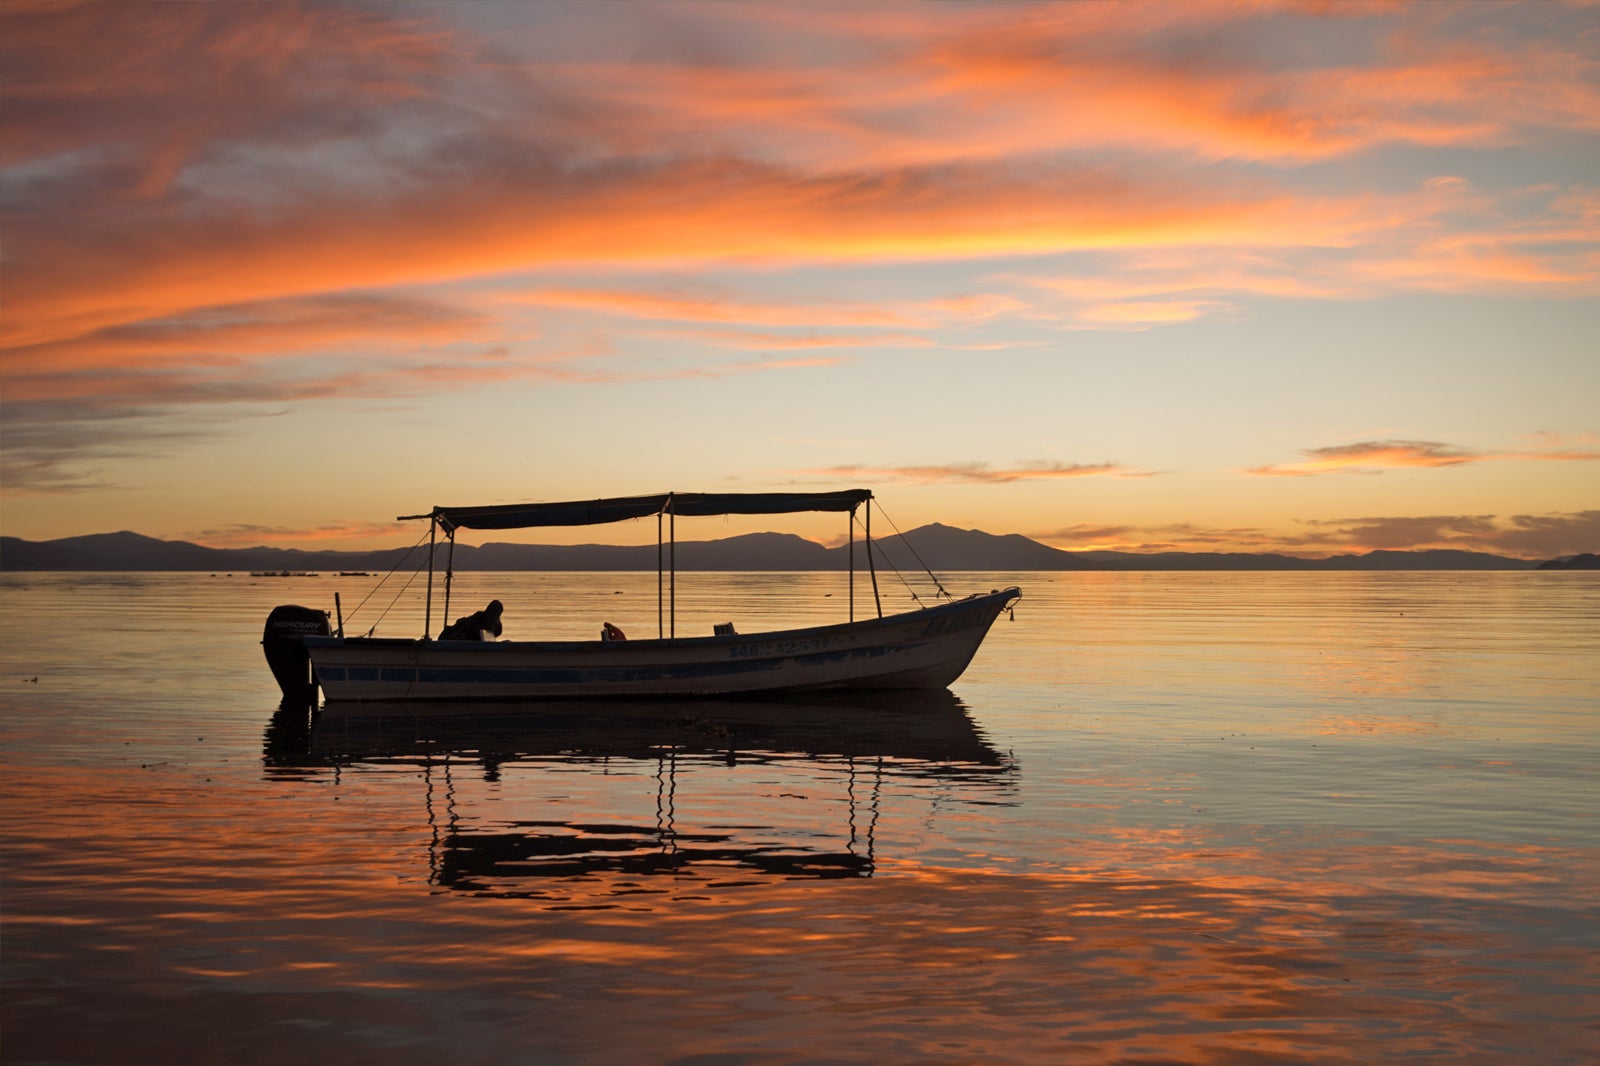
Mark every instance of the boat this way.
pixel 926 648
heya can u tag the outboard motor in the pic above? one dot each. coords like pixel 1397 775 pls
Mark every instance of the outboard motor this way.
pixel 287 626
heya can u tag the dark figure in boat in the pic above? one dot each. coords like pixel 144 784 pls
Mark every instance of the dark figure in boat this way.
pixel 482 625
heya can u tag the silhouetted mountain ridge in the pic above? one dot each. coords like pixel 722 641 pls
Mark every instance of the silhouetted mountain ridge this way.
pixel 937 547
pixel 1586 561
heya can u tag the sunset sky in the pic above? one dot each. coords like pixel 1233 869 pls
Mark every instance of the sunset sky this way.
pixel 1304 277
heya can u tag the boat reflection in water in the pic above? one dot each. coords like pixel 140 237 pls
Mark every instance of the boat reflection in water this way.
pixel 711 793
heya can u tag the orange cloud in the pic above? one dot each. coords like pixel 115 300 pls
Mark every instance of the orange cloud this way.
pixel 131 392
pixel 746 339
pixel 1223 102
pixel 249 536
pixel 231 335
pixel 1141 313
pixel 679 307
pixel 196 382
pixel 1027 80
pixel 1367 455
pixel 1168 537
pixel 675 311
pixel 1440 237
pixel 815 318
pixel 972 473
pixel 130 274
pixel 752 366
pixel 1375 456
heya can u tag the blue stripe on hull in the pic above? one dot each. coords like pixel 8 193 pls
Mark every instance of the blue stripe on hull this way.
pixel 535 676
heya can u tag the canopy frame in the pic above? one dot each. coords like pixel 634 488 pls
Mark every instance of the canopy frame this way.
pixel 665 507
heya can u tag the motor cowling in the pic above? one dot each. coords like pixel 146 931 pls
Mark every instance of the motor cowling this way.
pixel 283 642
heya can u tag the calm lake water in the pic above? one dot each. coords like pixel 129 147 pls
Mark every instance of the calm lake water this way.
pixel 1163 818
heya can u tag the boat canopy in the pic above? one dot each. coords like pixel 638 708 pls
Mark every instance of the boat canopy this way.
pixel 618 509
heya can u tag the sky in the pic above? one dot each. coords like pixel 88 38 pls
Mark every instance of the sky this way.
pixel 1303 277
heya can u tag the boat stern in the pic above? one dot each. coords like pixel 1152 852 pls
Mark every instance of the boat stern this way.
pixel 283 642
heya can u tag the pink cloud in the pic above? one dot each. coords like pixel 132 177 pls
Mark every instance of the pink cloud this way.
pixel 973 473
pixel 1375 456
pixel 1141 313
pixel 237 334
pixel 1164 537
pixel 249 536
pixel 687 307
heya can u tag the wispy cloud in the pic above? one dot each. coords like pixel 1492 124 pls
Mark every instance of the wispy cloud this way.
pixel 730 320
pixel 1159 537
pixel 54 448
pixel 1012 79
pixel 1440 237
pixel 751 340
pixel 237 335
pixel 62 429
pixel 1371 457
pixel 1524 536
pixel 706 306
pixel 973 473
pixel 249 536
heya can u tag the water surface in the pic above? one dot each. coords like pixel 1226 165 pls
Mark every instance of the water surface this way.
pixel 1177 818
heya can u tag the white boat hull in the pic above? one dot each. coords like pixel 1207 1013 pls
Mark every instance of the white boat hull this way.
pixel 922 649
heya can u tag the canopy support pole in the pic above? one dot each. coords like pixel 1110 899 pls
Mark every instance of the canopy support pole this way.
pixel 449 574
pixel 672 580
pixel 661 622
pixel 852 564
pixel 871 565
pixel 427 610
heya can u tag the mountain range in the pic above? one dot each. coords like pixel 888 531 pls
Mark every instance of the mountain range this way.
pixel 936 547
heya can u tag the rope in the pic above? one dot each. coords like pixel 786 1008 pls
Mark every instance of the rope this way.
pixel 357 609
pixel 925 569
pixel 397 595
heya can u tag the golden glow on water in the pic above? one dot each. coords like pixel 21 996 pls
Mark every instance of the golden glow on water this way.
pixel 1146 827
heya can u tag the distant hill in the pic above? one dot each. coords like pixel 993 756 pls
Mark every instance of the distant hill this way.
pixel 1434 559
pixel 937 547
pixel 133 551
pixel 1586 561
pixel 104 551
pixel 945 548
